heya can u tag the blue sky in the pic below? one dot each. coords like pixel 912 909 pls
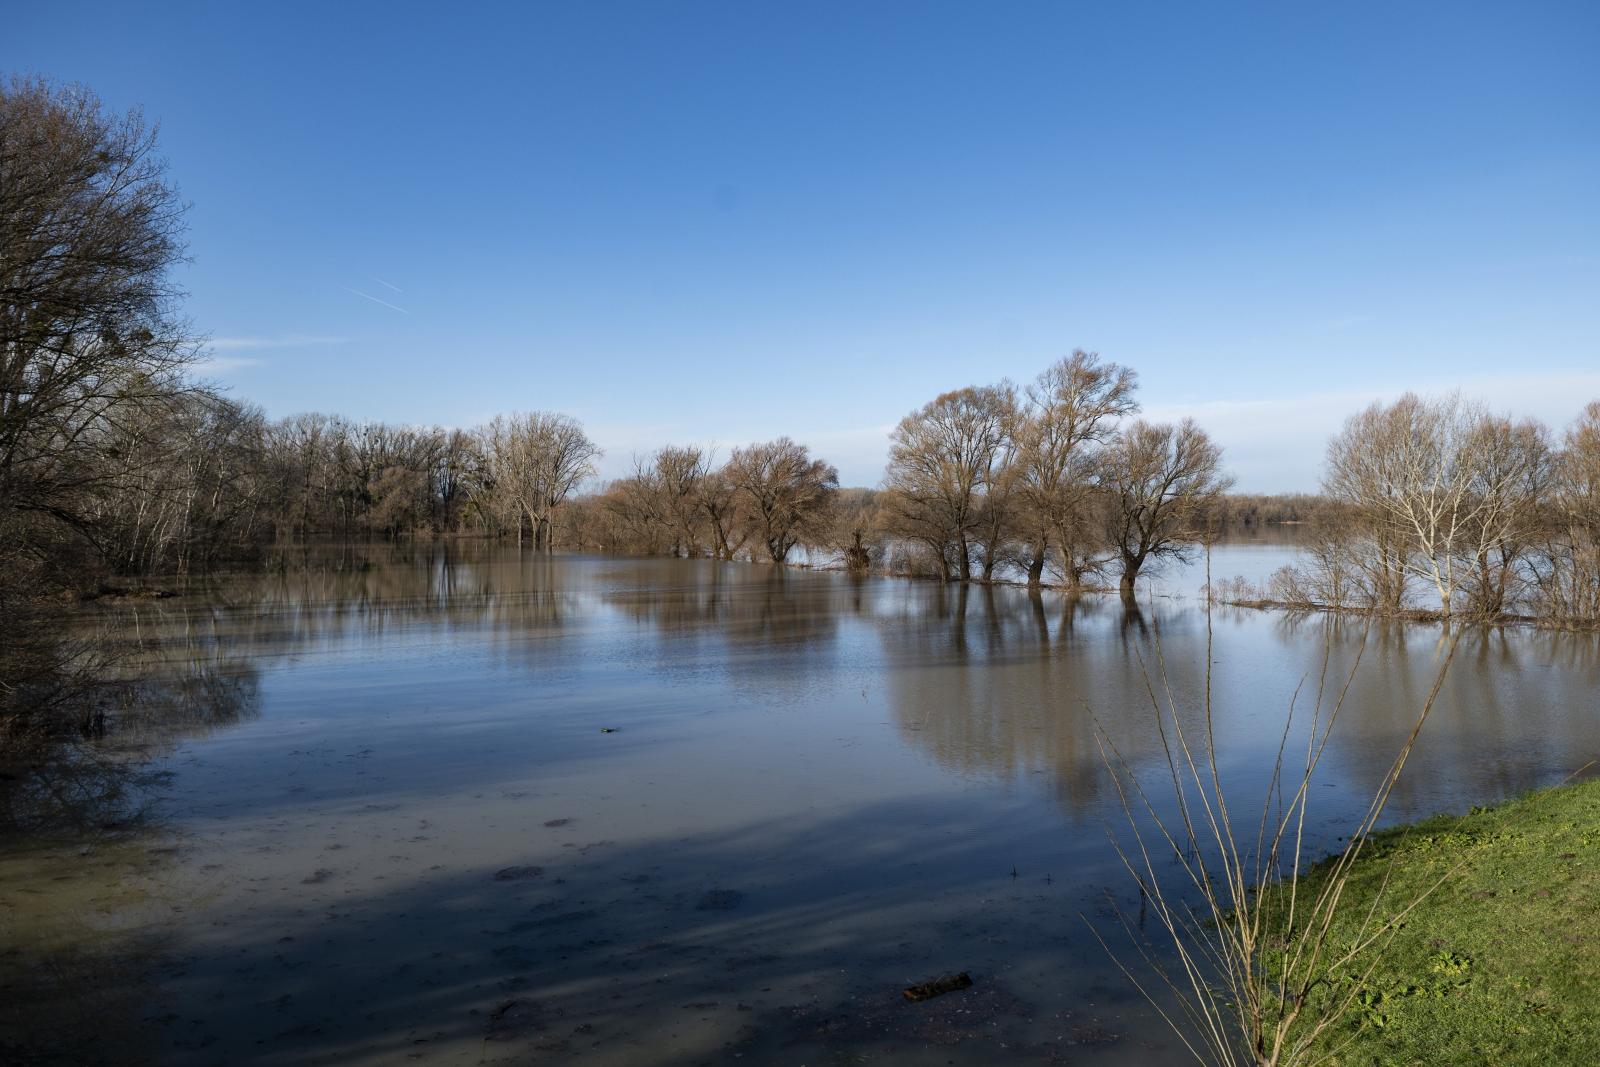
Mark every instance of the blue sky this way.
pixel 721 222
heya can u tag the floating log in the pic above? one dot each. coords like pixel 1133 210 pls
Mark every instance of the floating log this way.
pixel 948 983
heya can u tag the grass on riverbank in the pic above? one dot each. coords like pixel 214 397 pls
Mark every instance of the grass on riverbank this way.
pixel 1501 963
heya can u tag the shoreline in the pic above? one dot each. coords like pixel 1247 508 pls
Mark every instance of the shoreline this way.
pixel 1419 615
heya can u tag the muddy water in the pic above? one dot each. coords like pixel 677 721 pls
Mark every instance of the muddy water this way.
pixel 469 807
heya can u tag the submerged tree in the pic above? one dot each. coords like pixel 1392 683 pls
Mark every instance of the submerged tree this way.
pixel 1444 491
pixel 788 493
pixel 1160 478
pixel 1071 411
pixel 1568 581
pixel 942 460
pixel 532 463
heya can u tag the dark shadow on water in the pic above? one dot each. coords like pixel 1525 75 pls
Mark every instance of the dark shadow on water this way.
pixel 774 943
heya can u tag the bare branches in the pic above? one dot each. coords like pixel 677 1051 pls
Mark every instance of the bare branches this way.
pixel 1160 479
pixel 532 463
pixel 1072 410
pixel 772 496
pixel 1047 476
pixel 788 492
pixel 1480 508
pixel 945 460
pixel 1260 977
pixel 90 346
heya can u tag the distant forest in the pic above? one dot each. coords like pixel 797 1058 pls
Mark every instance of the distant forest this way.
pixel 115 459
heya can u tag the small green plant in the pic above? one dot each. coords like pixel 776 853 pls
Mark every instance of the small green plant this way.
pixel 1449 963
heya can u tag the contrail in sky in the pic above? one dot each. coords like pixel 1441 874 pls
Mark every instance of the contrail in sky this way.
pixel 374 299
pixel 391 285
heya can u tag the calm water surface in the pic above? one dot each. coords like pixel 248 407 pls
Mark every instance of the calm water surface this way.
pixel 466 806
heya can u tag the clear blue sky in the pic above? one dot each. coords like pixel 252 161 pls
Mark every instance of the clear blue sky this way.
pixel 718 222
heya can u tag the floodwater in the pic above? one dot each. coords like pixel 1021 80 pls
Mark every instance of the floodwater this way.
pixel 460 805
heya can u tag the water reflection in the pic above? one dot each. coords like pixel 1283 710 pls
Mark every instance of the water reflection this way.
pixel 994 680
pixel 151 695
pixel 435 801
pixel 87 902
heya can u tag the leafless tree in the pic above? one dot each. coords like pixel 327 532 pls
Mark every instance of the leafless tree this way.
pixel 725 510
pixel 90 341
pixel 1072 409
pixel 942 459
pixel 1159 479
pixel 1001 505
pixel 855 530
pixel 533 462
pixel 787 491
pixel 452 468
pixel 1569 580
pixel 1364 465
pixel 1511 473
pixel 676 475
pixel 1440 484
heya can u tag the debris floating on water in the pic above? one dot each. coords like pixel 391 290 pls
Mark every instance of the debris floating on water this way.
pixel 948 983
pixel 608 729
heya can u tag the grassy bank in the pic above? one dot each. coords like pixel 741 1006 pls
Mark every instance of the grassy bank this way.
pixel 1501 963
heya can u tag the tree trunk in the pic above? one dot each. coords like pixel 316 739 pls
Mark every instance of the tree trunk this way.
pixel 1036 568
pixel 1130 573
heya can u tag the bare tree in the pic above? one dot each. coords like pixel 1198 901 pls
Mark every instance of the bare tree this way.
pixel 855 529
pixel 626 520
pixel 942 458
pixel 533 463
pixel 676 475
pixel 788 493
pixel 1511 472
pixel 1422 475
pixel 1072 409
pixel 89 338
pixel 1569 581
pixel 724 508
pixel 1001 505
pixel 452 468
pixel 1363 467
pixel 1159 479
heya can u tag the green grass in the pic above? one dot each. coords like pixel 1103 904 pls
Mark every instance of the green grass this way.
pixel 1501 963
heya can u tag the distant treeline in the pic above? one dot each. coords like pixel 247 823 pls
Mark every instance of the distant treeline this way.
pixel 1242 511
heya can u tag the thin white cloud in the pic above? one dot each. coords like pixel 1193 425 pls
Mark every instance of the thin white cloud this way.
pixel 1277 444
pixel 375 300
pixel 223 364
pixel 387 285
pixel 291 340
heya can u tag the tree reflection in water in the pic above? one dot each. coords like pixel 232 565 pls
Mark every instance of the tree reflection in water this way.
pixel 83 960
pixel 865 758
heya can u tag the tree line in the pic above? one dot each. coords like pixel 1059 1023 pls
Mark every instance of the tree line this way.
pixel 114 457
pixel 987 482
